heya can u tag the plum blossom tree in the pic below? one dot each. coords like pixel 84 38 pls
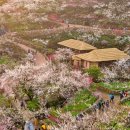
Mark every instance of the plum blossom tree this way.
pixel 118 70
pixel 10 119
pixel 63 54
pixel 48 78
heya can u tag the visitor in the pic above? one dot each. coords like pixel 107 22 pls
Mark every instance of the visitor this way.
pixel 79 117
pixel 99 104
pixel 22 104
pixel 121 95
pixel 48 127
pixel 95 107
pixel 107 104
pixel 111 97
pixel 15 98
pixel 44 127
pixel 102 104
pixel 29 50
pixel 125 93
pixel 28 126
pixel 36 123
pixel 67 22
pixel 31 126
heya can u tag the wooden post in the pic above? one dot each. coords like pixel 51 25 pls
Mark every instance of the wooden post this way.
pixel 88 64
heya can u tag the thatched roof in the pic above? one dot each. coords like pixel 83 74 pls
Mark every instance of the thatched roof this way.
pixel 76 44
pixel 99 55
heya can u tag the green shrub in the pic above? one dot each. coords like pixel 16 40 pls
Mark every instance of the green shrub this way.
pixel 4 60
pixel 33 105
pixel 4 102
pixel 55 101
pixel 54 112
pixel 94 72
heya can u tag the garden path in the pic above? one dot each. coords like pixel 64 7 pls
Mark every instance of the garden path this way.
pixel 112 31
pixel 70 27
pixel 109 30
pixel 112 112
pixel 39 57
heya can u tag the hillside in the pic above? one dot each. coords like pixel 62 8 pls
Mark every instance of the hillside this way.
pixel 44 77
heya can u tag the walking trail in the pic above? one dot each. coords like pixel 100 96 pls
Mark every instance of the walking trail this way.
pixel 109 30
pixel 39 57
pixel 113 112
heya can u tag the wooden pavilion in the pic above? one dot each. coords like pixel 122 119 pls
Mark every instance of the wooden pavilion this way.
pixel 77 46
pixel 95 57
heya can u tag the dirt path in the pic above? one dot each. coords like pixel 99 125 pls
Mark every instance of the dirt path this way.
pixel 113 31
pixel 105 96
pixel 39 57
pixel 70 27
pixel 108 114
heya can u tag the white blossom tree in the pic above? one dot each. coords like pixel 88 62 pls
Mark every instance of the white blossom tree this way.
pixel 118 70
pixel 48 78
pixel 63 54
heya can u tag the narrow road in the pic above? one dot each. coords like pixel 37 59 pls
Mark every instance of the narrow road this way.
pixel 39 57
pixel 108 30
pixel 111 113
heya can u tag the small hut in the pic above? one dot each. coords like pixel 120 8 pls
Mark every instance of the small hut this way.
pixel 98 56
pixel 77 46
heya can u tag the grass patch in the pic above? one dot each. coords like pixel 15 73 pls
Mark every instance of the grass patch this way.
pixel 111 87
pixel 54 112
pixel 28 25
pixel 9 61
pixel 81 101
pixel 4 60
pixel 33 105
pixel 12 50
pixel 49 122
pixel 11 55
pixel 127 103
pixel 4 102
pixel 116 85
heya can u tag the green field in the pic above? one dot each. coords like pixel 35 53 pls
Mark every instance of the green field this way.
pixel 116 85
pixel 80 102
